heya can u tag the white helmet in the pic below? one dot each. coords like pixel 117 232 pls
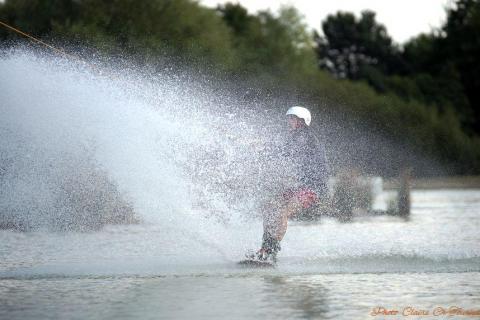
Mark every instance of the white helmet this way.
pixel 302 113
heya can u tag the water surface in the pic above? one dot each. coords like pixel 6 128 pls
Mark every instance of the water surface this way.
pixel 326 270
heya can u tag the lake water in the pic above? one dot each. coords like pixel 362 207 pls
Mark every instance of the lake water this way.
pixel 329 270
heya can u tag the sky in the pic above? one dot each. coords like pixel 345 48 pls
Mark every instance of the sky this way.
pixel 403 18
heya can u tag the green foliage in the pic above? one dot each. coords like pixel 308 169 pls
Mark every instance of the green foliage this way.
pixel 146 29
pixel 266 43
pixel 439 69
pixel 351 44
pixel 461 46
pixel 37 17
pixel 450 58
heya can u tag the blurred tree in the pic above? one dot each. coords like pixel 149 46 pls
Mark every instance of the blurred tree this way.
pixel 449 58
pixel 267 43
pixel 462 47
pixel 357 48
pixel 37 17
pixel 427 70
pixel 147 29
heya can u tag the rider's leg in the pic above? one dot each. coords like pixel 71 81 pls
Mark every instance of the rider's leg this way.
pixel 275 226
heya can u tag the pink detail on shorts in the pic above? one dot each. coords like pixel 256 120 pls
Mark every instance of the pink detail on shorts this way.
pixel 305 196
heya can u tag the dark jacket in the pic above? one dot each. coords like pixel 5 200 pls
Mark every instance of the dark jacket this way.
pixel 307 158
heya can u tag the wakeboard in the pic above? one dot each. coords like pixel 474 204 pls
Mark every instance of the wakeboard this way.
pixel 254 263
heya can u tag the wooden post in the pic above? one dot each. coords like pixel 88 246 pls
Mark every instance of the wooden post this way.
pixel 404 193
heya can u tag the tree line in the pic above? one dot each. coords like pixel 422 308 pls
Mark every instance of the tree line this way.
pixel 423 95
